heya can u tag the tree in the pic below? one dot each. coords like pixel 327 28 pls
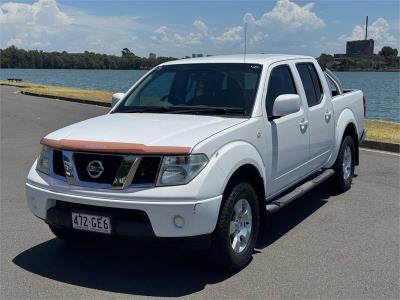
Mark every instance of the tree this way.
pixel 325 59
pixel 12 57
pixel 388 52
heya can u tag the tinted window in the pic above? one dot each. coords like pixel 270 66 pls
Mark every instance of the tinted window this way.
pixel 250 80
pixel 196 85
pixel 161 85
pixel 311 83
pixel 280 82
pixel 317 83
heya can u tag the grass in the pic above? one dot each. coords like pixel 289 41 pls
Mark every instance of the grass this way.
pixel 59 91
pixel 377 130
pixel 383 131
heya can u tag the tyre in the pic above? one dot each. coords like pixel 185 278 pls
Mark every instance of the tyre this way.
pixel 236 232
pixel 344 165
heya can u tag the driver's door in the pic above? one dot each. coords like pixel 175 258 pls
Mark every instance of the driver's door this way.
pixel 289 134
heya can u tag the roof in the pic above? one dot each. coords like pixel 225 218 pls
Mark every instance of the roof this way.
pixel 238 58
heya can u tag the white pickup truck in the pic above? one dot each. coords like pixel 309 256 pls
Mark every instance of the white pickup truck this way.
pixel 200 148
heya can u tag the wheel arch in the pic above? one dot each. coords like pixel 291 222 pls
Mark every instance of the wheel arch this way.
pixel 345 125
pixel 250 174
pixel 352 132
pixel 240 160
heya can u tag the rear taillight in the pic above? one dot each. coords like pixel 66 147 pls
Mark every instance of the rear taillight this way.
pixel 365 106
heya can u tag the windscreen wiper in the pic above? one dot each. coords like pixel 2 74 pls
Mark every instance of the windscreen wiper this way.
pixel 183 110
pixel 143 109
pixel 215 110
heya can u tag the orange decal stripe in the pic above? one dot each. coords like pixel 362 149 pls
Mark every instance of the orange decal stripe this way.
pixel 112 147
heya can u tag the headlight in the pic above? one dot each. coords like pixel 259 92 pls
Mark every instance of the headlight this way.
pixel 43 160
pixel 177 170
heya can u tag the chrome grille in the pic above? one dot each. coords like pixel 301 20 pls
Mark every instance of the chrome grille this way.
pixel 113 171
pixel 110 163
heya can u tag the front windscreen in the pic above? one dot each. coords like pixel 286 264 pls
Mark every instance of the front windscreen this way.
pixel 196 88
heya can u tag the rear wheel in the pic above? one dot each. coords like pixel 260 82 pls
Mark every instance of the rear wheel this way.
pixel 344 165
pixel 237 229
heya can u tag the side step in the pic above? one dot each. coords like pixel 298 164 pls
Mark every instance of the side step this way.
pixel 277 204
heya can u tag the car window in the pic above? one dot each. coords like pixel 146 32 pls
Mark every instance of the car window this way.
pixel 316 81
pixel 250 80
pixel 280 83
pixel 155 89
pixel 187 86
pixel 311 83
pixel 191 88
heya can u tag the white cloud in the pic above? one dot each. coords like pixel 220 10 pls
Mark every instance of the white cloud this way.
pixel 231 36
pixel 49 26
pixel 201 26
pixel 163 35
pixel 43 12
pixel 280 26
pixel 46 26
pixel 31 25
pixel 189 39
pixel 286 16
pixel 289 14
pixel 379 30
pixel 258 38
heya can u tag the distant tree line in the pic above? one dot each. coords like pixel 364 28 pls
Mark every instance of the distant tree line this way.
pixel 12 57
pixel 386 60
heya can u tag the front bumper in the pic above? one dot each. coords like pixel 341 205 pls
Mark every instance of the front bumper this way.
pixel 200 216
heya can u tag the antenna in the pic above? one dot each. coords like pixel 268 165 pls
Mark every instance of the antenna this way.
pixel 366 28
pixel 245 42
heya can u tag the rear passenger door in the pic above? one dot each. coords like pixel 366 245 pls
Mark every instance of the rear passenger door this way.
pixel 289 136
pixel 320 114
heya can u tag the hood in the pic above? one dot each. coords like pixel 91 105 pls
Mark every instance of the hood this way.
pixel 139 133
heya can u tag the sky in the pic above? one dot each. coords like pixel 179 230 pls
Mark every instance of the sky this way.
pixel 180 28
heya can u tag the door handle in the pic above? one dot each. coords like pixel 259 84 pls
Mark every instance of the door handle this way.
pixel 328 115
pixel 303 125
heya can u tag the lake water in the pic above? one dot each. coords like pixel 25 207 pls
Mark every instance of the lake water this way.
pixel 381 89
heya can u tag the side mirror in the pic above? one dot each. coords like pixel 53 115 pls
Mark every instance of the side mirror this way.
pixel 285 105
pixel 115 98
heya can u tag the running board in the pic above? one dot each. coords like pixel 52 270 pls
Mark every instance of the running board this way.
pixel 277 204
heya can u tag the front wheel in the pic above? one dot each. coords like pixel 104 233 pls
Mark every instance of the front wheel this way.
pixel 344 165
pixel 237 229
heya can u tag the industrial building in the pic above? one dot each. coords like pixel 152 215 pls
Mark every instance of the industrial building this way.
pixel 359 48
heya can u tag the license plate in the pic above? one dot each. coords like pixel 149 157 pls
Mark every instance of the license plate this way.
pixel 89 222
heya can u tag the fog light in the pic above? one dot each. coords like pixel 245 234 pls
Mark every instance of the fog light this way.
pixel 179 221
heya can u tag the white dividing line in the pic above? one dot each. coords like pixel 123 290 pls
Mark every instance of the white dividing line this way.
pixel 381 152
